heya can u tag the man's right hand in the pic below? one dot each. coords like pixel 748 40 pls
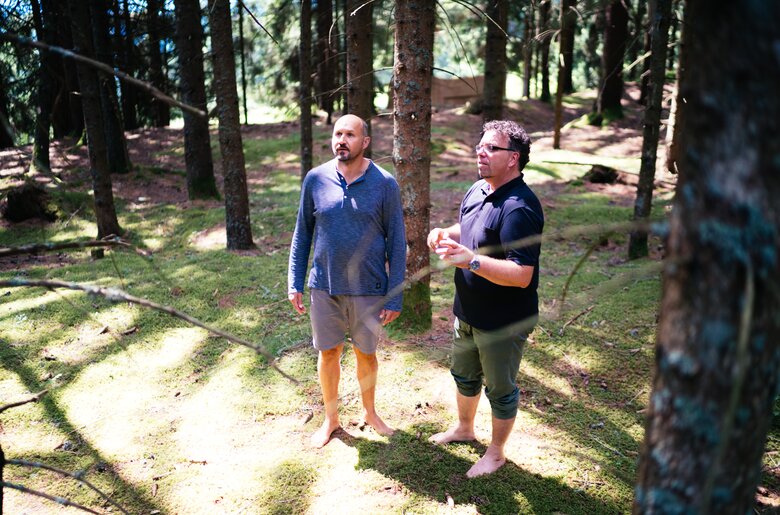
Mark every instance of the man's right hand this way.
pixel 435 236
pixel 296 299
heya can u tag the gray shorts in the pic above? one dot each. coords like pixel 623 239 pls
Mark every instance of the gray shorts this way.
pixel 335 316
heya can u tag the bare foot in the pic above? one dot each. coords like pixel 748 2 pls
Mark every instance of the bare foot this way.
pixel 322 435
pixel 487 464
pixel 453 434
pixel 378 424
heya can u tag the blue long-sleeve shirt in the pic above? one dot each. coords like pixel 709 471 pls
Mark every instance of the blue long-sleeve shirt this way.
pixel 357 231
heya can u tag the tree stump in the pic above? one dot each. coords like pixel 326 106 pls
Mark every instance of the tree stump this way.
pixel 26 202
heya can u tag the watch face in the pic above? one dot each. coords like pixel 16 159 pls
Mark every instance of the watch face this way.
pixel 474 264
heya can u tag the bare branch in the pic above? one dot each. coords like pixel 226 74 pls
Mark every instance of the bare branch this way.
pixel 15 38
pixel 59 500
pixel 34 398
pixel 258 22
pixel 115 295
pixel 77 476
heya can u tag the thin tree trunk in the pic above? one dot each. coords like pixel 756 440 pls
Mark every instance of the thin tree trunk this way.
pixel 129 93
pixel 544 49
pixel 118 158
pixel 238 227
pixel 495 60
pixel 412 77
pixel 615 35
pixel 718 348
pixel 45 97
pixel 565 16
pixel 528 48
pixel 242 54
pixel 326 53
pixel 567 43
pixel 360 61
pixel 662 12
pixel 161 115
pixel 304 56
pixel 197 141
pixel 105 212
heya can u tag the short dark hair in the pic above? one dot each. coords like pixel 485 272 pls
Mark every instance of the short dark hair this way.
pixel 518 138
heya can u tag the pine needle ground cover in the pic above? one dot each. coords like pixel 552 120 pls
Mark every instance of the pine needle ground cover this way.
pixel 166 418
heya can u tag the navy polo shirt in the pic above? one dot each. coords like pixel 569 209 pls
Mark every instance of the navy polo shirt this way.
pixel 493 221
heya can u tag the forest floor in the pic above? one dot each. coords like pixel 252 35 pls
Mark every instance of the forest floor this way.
pixel 170 420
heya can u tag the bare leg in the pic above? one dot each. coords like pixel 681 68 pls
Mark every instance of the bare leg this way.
pixel 494 457
pixel 329 370
pixel 367 368
pixel 463 431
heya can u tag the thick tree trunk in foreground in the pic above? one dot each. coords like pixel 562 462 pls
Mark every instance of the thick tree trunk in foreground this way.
pixel 238 227
pixel 495 60
pixel 105 212
pixel 304 94
pixel 662 12
pixel 197 141
pixel 412 77
pixel 718 349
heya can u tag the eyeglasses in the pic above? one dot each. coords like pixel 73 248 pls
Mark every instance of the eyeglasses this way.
pixel 491 148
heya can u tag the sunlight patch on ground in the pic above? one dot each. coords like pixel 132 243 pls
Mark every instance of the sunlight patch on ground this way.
pixel 210 239
pixel 18 307
pixel 554 382
pixel 26 432
pixel 117 402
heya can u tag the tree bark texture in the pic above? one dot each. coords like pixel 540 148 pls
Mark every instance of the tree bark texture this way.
pixel 116 147
pixel 197 141
pixel 304 93
pixel 360 60
pixel 528 40
pixel 560 88
pixel 238 227
pixel 411 84
pixel 45 96
pixel 161 112
pixel 495 60
pixel 327 67
pixel 659 29
pixel 615 35
pixel 718 348
pixel 105 212
pixel 569 28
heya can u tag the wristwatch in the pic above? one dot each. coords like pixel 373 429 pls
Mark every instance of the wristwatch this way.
pixel 474 263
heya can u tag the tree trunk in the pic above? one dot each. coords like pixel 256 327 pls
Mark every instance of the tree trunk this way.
pixel 328 64
pixel 718 348
pixel 6 131
pixel 412 77
pixel 611 91
pixel 528 39
pixel 197 142
pixel 569 28
pixel 662 12
pixel 495 60
pixel 544 48
pixel 360 60
pixel 304 56
pixel 242 54
pixel 127 53
pixel 592 58
pixel 238 227
pixel 105 212
pixel 161 113
pixel 639 39
pixel 558 121
pixel 45 97
pixel 118 159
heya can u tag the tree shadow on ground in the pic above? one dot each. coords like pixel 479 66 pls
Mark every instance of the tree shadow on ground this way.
pixel 437 472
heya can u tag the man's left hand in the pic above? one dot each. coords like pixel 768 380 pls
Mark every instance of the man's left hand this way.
pixel 386 316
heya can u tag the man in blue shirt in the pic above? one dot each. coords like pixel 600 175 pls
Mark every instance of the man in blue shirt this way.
pixel 350 211
pixel 496 278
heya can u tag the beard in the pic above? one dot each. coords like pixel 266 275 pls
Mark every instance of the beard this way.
pixel 345 155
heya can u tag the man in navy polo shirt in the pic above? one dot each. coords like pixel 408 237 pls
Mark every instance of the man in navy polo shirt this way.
pixel 350 213
pixel 496 277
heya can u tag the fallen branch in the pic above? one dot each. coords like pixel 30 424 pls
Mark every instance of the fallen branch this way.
pixel 115 295
pixel 77 477
pixel 578 315
pixel 59 500
pixel 38 248
pixel 34 398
